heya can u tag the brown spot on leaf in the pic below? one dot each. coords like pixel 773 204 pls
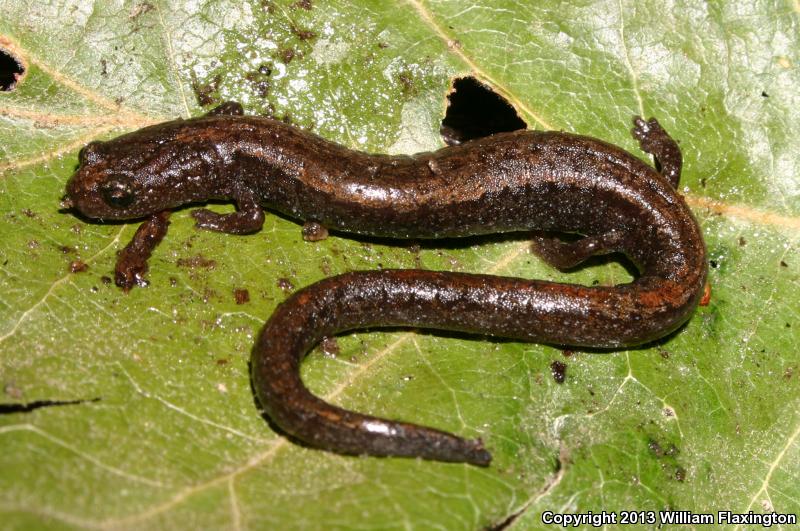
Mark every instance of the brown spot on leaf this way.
pixel 241 295
pixel 207 93
pixel 285 284
pixel 287 54
pixel 406 80
pixel 259 81
pixel 78 266
pixel 197 261
pixel 303 34
pixel 325 266
pixel 559 371
pixel 140 9
pixel 655 448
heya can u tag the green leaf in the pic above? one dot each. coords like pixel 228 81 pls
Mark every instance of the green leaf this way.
pixel 168 435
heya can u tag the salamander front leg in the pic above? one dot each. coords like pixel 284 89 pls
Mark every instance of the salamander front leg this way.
pixel 248 218
pixel 566 255
pixel 654 140
pixel 132 260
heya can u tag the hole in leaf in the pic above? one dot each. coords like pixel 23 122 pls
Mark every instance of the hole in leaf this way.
pixel 476 111
pixel 7 409
pixel 11 70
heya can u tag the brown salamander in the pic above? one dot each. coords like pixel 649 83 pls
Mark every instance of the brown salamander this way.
pixel 517 181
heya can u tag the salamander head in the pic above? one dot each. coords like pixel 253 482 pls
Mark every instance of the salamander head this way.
pixel 138 174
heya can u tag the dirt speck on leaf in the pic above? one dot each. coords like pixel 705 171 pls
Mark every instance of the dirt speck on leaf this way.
pixel 207 93
pixel 259 81
pixel 286 55
pixel 559 371
pixel 197 261
pixel 140 9
pixel 285 284
pixel 303 34
pixel 655 448
pixel 241 295
pixel 78 266
pixel 325 266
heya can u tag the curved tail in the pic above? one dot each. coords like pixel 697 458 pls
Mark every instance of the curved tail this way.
pixel 500 306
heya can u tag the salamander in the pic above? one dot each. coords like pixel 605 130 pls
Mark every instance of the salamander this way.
pixel 517 181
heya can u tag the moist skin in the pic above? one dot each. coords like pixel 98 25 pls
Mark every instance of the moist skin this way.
pixel 508 182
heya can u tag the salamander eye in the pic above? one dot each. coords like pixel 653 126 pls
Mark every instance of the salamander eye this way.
pixel 117 193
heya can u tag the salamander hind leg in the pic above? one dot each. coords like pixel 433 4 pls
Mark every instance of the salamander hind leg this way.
pixel 654 140
pixel 566 255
